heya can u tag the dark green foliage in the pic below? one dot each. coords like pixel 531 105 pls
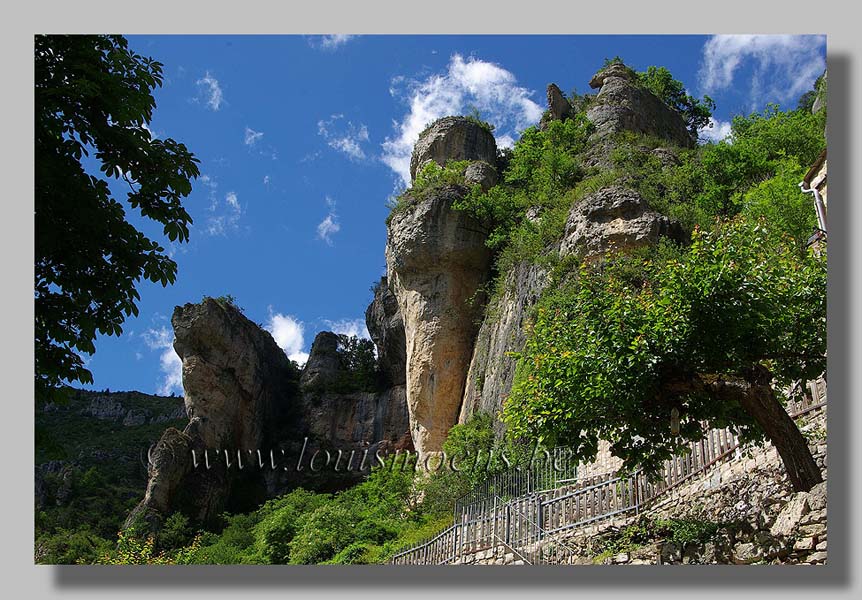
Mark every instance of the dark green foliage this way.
pixel 71 546
pixel 357 357
pixel 780 202
pixel 762 145
pixel 540 176
pixel 102 476
pixel 660 82
pixel 614 351
pixel 176 532
pixel 645 531
pixel 93 98
pixel 357 525
pixel 476 454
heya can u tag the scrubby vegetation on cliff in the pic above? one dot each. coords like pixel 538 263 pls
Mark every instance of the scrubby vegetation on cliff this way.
pixel 396 506
pixel 631 348
pixel 619 345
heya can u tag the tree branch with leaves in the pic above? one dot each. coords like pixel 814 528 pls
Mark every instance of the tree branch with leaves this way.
pixel 93 103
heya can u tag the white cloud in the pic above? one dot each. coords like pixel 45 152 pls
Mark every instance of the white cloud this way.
pixel 288 333
pixel 335 41
pixel 169 362
pixel 344 137
pixel 349 327
pixel 226 214
pixel 785 66
pixel 210 88
pixel 505 141
pixel 266 180
pixel 467 84
pixel 328 227
pixel 251 136
pixel 715 131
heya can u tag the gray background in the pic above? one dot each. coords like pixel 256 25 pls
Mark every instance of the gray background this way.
pixel 840 20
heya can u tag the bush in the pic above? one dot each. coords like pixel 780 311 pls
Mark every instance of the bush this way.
pixel 431 177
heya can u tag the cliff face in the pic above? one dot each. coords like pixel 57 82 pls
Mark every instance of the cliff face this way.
pixel 442 356
pixel 491 368
pixel 437 261
pixel 242 394
pixel 612 218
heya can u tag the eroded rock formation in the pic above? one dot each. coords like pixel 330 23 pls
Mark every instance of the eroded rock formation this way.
pixel 386 327
pixel 242 394
pixel 559 107
pixel 437 262
pixel 453 138
pixel 615 218
pixel 237 382
pixel 622 105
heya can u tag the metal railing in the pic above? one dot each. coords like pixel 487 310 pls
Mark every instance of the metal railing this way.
pixel 548 470
pixel 529 523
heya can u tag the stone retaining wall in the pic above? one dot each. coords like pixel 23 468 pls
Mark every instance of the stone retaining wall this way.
pixel 761 520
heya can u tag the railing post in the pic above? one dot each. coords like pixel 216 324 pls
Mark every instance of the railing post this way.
pixel 539 520
pixel 508 524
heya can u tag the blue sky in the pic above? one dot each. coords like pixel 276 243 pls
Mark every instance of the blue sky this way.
pixel 302 139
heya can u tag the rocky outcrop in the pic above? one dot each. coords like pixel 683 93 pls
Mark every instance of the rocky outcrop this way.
pixel 339 414
pixel 324 362
pixel 235 377
pixel 386 327
pixel 482 174
pixel 243 395
pixel 453 138
pixel 559 108
pixel 622 105
pixel 437 261
pixel 108 406
pixel 613 219
pixel 492 367
pixel 238 384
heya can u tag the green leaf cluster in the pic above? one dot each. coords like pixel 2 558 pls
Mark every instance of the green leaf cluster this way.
pixel 94 98
pixel 608 345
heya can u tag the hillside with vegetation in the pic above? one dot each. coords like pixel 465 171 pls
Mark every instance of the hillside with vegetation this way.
pixel 617 284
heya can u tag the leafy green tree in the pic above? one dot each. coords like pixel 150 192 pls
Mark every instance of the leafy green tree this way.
pixel 762 145
pixel 93 98
pixel 710 331
pixel 672 92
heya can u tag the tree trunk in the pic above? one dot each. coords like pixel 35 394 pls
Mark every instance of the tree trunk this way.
pixel 757 398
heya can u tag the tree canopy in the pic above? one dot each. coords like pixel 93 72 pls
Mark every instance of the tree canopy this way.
pixel 705 330
pixel 93 102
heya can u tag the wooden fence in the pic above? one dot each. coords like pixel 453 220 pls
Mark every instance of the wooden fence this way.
pixel 521 523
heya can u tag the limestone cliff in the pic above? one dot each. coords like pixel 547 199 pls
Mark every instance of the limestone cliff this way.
pixel 442 355
pixel 437 261
pixel 613 218
pixel 242 394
